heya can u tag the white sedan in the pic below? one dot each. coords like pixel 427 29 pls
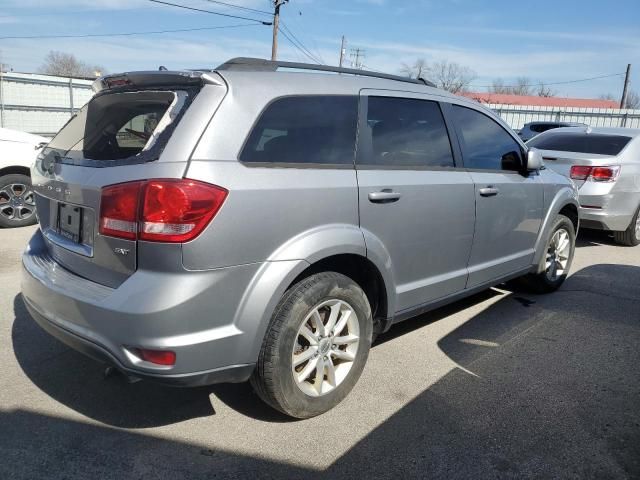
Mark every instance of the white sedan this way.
pixel 18 151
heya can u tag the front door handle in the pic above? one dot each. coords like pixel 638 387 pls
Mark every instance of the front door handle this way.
pixel 488 191
pixel 385 196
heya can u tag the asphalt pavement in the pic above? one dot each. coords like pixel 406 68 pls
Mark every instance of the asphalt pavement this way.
pixel 501 385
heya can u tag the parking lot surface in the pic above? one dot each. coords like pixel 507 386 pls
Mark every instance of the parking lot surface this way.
pixel 501 385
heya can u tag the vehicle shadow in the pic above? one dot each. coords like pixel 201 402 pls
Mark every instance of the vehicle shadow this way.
pixel 77 382
pixel 590 238
pixel 544 388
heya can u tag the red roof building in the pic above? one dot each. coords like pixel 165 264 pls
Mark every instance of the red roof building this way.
pixel 506 99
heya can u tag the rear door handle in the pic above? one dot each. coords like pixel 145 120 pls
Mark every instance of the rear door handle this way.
pixel 385 196
pixel 488 191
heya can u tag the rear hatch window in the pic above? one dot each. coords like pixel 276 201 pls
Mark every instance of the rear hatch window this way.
pixel 582 143
pixel 119 128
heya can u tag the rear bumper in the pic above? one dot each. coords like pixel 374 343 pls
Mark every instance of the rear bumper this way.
pixel 615 212
pixel 190 313
pixel 231 374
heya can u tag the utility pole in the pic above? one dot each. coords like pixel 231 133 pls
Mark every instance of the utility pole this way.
pixel 356 55
pixel 276 22
pixel 342 51
pixel 623 100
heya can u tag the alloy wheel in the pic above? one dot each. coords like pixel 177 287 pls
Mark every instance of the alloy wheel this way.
pixel 558 255
pixel 17 202
pixel 325 347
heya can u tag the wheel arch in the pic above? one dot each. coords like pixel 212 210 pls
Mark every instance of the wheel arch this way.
pixel 339 248
pixel 15 170
pixel 565 202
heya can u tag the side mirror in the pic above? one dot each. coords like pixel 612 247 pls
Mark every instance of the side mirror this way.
pixel 534 160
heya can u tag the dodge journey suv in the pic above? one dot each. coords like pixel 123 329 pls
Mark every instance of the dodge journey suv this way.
pixel 253 223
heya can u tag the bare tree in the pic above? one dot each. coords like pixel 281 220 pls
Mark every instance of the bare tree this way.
pixel 67 65
pixel 522 86
pixel 498 86
pixel 633 99
pixel 417 70
pixel 451 76
pixel 544 91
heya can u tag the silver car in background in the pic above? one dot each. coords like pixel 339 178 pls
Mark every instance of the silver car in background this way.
pixel 252 223
pixel 604 163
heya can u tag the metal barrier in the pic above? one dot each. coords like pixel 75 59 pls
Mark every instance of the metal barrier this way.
pixel 40 104
pixel 518 115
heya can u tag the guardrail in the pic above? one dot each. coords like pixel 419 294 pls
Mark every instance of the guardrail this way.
pixel 517 115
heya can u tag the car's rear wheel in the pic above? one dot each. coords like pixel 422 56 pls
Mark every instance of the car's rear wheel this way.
pixel 316 346
pixel 631 236
pixel 556 261
pixel 17 201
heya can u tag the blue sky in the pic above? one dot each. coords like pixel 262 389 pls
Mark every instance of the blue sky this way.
pixel 552 41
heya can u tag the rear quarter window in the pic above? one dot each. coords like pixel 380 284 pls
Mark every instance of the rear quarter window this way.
pixel 313 129
pixel 591 143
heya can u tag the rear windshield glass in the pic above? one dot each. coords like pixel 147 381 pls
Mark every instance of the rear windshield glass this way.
pixel 582 143
pixel 117 126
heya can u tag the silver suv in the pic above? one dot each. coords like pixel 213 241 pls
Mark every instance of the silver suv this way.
pixel 252 223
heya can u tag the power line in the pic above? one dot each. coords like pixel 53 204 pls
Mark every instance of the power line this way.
pixel 126 34
pixel 307 54
pixel 210 11
pixel 553 83
pixel 232 5
pixel 300 45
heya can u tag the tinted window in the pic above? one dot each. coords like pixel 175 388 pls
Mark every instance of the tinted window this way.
pixel 407 132
pixel 582 143
pixel 485 144
pixel 305 129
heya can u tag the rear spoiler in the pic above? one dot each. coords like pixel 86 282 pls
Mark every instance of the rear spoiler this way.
pixel 161 78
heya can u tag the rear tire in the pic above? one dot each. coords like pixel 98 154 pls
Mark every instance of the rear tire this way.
pixel 322 321
pixel 17 201
pixel 556 261
pixel 631 236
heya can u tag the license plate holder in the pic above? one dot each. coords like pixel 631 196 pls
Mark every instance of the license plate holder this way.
pixel 70 222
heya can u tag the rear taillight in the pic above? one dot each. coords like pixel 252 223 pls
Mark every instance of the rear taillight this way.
pixel 604 174
pixel 119 210
pixel 579 172
pixel 597 174
pixel 172 211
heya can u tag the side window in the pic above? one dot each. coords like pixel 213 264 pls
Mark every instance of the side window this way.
pixel 305 129
pixel 406 132
pixel 485 144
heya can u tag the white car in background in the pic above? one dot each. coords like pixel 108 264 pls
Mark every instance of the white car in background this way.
pixel 18 151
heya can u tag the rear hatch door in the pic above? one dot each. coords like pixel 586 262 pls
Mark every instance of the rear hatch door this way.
pixel 127 132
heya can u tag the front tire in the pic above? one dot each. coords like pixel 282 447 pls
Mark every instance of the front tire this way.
pixel 556 261
pixel 316 346
pixel 631 236
pixel 17 201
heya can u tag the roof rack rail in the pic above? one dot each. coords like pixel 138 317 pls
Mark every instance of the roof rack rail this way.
pixel 249 64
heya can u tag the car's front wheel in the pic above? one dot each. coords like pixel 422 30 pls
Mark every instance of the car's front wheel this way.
pixel 556 259
pixel 17 201
pixel 316 346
